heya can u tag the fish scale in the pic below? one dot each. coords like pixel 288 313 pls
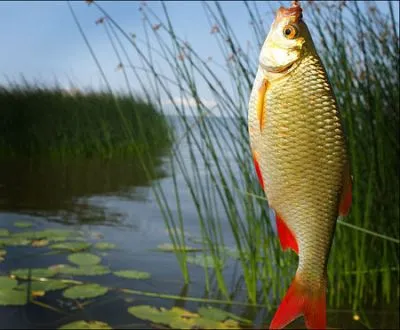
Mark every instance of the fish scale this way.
pixel 303 166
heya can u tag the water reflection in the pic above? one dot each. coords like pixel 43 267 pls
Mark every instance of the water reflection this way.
pixel 64 187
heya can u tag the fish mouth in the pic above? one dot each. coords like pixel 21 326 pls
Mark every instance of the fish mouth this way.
pixel 277 69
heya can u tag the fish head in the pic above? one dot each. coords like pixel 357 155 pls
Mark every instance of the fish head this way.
pixel 286 42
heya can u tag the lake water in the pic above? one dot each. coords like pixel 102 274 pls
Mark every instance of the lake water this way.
pixel 112 201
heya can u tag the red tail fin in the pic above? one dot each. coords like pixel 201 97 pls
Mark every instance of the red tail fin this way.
pixel 300 300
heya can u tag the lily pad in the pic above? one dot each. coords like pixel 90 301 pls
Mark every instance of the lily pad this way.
pixel 49 285
pixel 178 318
pixel 9 297
pixel 30 235
pixel 84 259
pixel 14 241
pixel 133 274
pixel 62 232
pixel 94 270
pixel 4 232
pixel 218 315
pixel 61 238
pixel 23 273
pixel 85 291
pixel 104 246
pixel 40 243
pixel 71 246
pixel 85 325
pixel 167 247
pixel 22 224
pixel 148 313
pixel 7 283
pixel 204 261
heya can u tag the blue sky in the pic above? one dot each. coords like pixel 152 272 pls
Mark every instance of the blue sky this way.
pixel 40 40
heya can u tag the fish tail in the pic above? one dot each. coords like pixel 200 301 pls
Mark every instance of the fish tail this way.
pixel 302 299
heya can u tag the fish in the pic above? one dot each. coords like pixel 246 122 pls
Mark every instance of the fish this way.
pixel 300 154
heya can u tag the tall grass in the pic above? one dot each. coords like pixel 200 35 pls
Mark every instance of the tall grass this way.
pixel 360 51
pixel 40 121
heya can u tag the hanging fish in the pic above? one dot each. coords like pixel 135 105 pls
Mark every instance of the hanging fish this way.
pixel 301 159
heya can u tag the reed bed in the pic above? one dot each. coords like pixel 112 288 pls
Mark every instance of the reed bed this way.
pixel 360 50
pixel 39 121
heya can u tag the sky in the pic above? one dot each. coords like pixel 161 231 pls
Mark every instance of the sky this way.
pixel 40 40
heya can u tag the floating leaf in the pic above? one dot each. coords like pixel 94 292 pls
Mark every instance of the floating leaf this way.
pixel 217 314
pixel 38 293
pixel 10 297
pixel 7 283
pixel 14 241
pixel 49 285
pixel 94 270
pixel 62 233
pixel 50 234
pixel 40 242
pixel 4 232
pixel 85 291
pixel 149 313
pixel 61 238
pixel 71 246
pixel 30 235
pixel 85 325
pixel 133 274
pixel 22 224
pixel 35 273
pixel 204 261
pixel 3 253
pixel 178 318
pixel 167 247
pixel 84 259
pixel 104 246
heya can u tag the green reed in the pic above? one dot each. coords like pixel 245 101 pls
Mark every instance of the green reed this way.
pixel 42 121
pixel 360 52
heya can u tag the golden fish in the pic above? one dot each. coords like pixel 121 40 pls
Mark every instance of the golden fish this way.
pixel 301 159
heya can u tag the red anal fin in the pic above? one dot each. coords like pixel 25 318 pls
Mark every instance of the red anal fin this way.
pixel 286 237
pixel 346 197
pixel 300 300
pixel 261 113
pixel 258 169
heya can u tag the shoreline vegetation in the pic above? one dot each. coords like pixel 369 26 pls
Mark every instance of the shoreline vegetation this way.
pixel 38 121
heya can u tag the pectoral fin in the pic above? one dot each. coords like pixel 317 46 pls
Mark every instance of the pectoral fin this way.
pixel 261 109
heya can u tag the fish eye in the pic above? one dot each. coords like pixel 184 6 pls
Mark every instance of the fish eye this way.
pixel 290 31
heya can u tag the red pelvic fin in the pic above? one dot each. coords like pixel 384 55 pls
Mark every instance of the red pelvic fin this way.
pixel 258 169
pixel 346 197
pixel 302 300
pixel 286 237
